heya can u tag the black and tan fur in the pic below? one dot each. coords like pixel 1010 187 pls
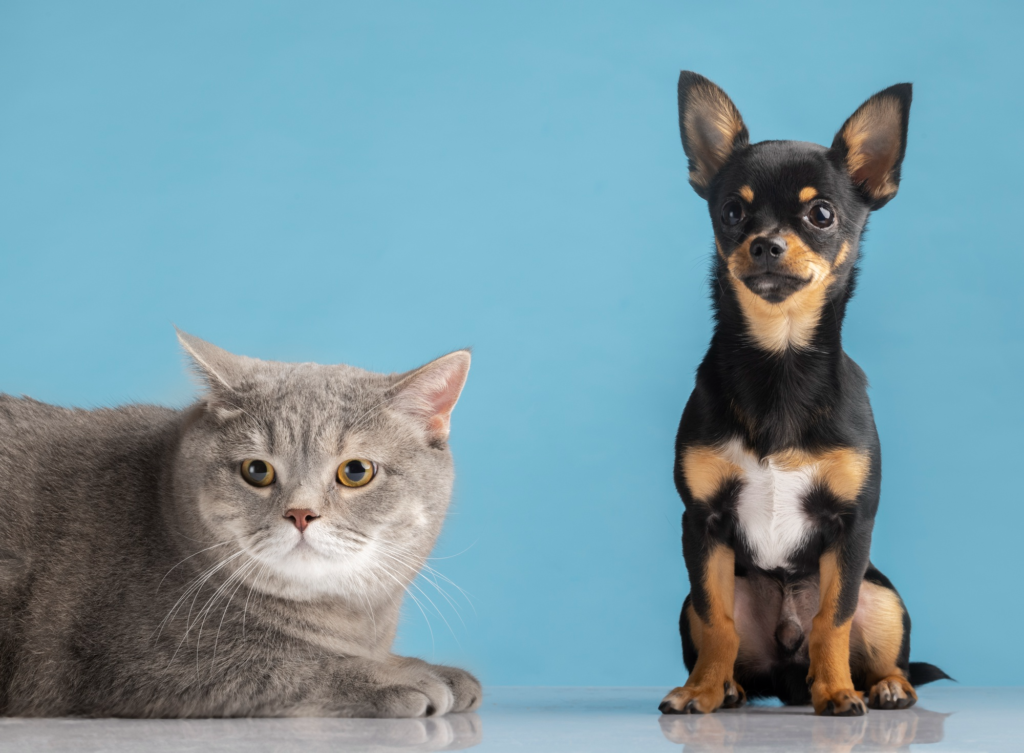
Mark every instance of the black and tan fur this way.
pixel 777 457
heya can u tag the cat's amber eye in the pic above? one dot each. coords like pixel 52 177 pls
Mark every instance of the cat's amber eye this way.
pixel 258 472
pixel 356 472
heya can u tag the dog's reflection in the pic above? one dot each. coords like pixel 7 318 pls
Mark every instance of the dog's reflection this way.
pixel 786 729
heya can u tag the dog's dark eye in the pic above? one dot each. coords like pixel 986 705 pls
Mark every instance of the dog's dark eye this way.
pixel 732 213
pixel 821 215
pixel 258 472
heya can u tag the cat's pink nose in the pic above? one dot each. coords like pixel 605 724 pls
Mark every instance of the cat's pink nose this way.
pixel 301 518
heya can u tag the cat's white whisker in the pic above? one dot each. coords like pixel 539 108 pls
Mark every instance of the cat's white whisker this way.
pixel 369 608
pixel 195 554
pixel 198 589
pixel 249 567
pixel 429 570
pixel 412 567
pixel 424 594
pixel 415 600
pixel 195 583
pixel 244 491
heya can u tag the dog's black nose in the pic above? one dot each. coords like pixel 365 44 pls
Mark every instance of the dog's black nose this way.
pixel 768 248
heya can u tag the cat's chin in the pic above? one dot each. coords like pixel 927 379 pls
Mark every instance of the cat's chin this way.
pixel 304 548
pixel 306 569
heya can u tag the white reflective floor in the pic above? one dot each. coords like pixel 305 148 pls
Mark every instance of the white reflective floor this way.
pixel 566 719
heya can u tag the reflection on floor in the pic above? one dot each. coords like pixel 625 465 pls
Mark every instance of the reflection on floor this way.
pixel 781 728
pixel 565 720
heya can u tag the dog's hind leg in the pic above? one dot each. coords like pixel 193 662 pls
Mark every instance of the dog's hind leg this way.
pixel 880 644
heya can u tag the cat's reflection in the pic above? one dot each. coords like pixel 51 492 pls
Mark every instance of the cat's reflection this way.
pixel 311 735
pixel 784 729
pixel 451 732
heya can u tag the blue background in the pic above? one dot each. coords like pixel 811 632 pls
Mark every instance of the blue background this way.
pixel 380 183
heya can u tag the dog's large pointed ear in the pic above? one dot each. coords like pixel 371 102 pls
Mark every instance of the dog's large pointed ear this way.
pixel 871 144
pixel 711 127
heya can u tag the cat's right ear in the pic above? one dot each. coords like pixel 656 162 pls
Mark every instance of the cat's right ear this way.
pixel 429 394
pixel 220 371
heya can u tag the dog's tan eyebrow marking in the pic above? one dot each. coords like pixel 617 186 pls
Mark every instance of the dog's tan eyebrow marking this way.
pixel 747 194
pixel 807 193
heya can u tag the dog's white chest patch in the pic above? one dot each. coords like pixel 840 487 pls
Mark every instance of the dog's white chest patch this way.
pixel 770 508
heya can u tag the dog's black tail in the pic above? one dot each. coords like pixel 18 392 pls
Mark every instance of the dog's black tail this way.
pixel 922 673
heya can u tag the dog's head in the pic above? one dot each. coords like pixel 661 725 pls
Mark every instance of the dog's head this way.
pixel 788 215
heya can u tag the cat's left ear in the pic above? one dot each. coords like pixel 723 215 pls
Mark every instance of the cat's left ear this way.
pixel 871 144
pixel 430 393
pixel 222 371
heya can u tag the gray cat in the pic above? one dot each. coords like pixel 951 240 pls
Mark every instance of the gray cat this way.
pixel 243 557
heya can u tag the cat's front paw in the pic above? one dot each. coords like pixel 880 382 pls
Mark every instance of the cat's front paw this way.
pixel 397 702
pixel 462 690
pixel 413 674
pixel 465 688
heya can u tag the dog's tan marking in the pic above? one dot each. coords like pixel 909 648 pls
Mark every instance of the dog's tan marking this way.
pixel 829 647
pixel 791 323
pixel 807 193
pixel 872 136
pixel 877 632
pixel 696 626
pixel 893 692
pixel 842 470
pixel 719 642
pixel 706 470
pixel 844 252
pixel 875 641
pixel 712 123
pixel 747 194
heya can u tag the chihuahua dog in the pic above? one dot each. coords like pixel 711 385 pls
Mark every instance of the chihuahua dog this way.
pixel 777 456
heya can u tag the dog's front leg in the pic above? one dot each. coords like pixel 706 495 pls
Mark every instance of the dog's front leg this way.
pixel 832 691
pixel 711 685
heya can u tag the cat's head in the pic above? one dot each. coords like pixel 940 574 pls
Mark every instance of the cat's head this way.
pixel 327 480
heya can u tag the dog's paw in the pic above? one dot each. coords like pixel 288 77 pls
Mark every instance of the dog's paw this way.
pixel 893 692
pixel 837 701
pixel 703 698
pixel 734 695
